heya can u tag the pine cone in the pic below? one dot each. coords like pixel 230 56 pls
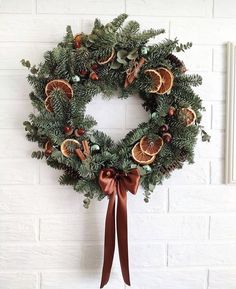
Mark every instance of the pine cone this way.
pixel 178 63
pixel 168 169
pixel 72 173
pixel 178 164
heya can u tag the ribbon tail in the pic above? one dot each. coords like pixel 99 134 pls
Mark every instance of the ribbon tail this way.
pixel 122 232
pixel 109 243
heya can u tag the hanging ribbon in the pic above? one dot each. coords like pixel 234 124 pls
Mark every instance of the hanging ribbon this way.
pixel 132 73
pixel 115 183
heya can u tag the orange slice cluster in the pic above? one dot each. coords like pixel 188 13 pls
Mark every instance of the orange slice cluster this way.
pixel 145 151
pixel 56 84
pixel 156 80
pixel 162 80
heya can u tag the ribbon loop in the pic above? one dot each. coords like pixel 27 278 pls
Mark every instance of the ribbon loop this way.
pixel 115 183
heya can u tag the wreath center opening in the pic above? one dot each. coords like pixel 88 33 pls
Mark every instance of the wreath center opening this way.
pixel 117 116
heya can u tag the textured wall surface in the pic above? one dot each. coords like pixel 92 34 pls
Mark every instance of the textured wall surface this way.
pixel 185 238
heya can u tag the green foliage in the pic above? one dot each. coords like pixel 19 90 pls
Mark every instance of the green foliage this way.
pixel 127 45
pixel 183 47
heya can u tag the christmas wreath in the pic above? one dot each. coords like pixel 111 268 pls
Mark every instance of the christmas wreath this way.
pixel 114 58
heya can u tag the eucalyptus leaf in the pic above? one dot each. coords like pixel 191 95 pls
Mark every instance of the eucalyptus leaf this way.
pixel 122 54
pixel 133 54
pixel 122 61
pixel 141 171
pixel 151 187
pixel 115 65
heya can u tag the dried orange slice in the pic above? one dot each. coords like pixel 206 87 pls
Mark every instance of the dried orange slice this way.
pixel 188 116
pixel 48 104
pixel 140 157
pixel 167 80
pixel 151 147
pixel 69 146
pixel 59 84
pixel 156 80
pixel 107 59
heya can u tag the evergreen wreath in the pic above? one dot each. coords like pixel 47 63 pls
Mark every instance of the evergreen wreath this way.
pixel 113 57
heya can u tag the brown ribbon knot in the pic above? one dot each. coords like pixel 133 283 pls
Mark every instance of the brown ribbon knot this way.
pixel 117 183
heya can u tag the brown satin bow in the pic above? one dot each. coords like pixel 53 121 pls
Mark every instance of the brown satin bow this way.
pixel 112 183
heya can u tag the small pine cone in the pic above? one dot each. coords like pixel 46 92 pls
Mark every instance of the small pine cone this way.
pixel 71 172
pixel 182 157
pixel 178 63
pixel 168 169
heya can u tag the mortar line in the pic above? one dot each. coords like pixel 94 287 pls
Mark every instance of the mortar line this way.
pixel 208 278
pixel 34 7
pixel 209 228
pixel 213 9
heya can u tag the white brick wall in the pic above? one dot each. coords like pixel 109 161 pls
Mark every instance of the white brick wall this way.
pixel 185 238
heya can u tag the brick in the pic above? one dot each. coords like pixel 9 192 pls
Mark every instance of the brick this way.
pixel 10 6
pixel 79 280
pixel 134 115
pixel 223 227
pixel 100 108
pixel 151 8
pixel 48 175
pixel 14 85
pixel 10 57
pixel 219 58
pixel 72 228
pixel 157 204
pixel 167 227
pixel 116 133
pixel 19 280
pixel 222 278
pixel 217 172
pixel 202 254
pixel 17 228
pixel 40 257
pixel 224 9
pixel 56 256
pixel 36 29
pixel 218 113
pixel 213 149
pixel 78 7
pixel 44 200
pixel 11 116
pixel 203 199
pixel 18 172
pixel 8 146
pixel 194 174
pixel 213 86
pixel 202 31
pixel 146 255
pixel 169 279
pixel 197 59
